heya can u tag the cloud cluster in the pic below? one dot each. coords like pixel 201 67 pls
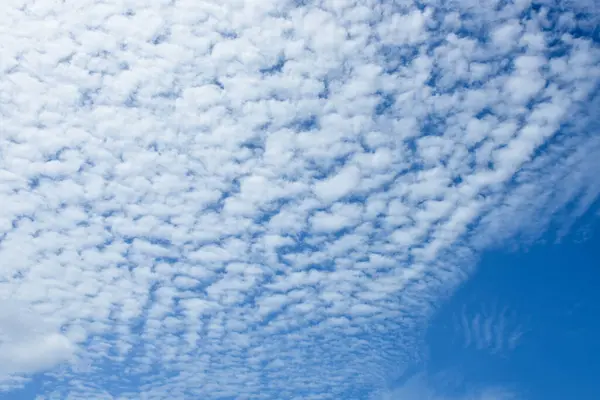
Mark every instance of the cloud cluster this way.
pixel 263 199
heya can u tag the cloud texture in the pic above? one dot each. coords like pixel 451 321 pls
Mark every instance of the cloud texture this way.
pixel 264 199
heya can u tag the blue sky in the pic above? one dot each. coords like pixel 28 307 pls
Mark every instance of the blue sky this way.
pixel 545 296
pixel 299 200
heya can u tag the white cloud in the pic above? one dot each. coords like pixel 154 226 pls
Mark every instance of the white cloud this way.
pixel 253 195
pixel 28 342
pixel 493 330
pixel 341 216
pixel 339 185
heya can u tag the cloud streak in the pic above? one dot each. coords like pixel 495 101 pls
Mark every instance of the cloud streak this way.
pixel 494 330
pixel 249 200
pixel 419 387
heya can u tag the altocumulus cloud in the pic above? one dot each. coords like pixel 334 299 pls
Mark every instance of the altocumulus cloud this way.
pixel 264 199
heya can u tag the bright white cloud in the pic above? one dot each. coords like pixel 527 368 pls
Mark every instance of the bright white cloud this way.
pixel 242 199
pixel 29 343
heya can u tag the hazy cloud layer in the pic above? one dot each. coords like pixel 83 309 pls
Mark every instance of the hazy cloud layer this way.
pixel 263 199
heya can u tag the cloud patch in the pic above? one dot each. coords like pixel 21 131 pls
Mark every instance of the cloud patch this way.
pixel 28 343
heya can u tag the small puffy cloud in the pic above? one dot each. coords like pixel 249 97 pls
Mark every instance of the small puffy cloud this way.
pixel 339 185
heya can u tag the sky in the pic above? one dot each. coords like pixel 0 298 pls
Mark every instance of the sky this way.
pixel 272 199
pixel 527 320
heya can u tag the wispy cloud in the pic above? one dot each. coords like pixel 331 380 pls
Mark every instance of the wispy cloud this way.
pixel 263 199
pixel 492 329
pixel 420 387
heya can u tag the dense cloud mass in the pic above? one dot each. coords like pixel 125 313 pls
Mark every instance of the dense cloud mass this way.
pixel 265 199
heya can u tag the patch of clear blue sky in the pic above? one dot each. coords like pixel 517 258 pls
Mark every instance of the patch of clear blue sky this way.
pixel 550 291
